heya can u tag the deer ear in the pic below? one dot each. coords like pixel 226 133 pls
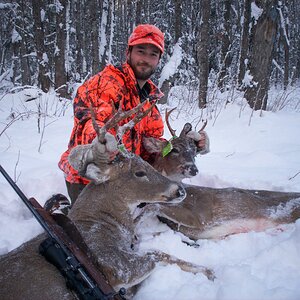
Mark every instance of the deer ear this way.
pixel 78 157
pixel 95 174
pixel 186 128
pixel 153 145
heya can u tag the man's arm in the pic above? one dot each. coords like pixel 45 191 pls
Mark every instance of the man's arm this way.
pixel 98 93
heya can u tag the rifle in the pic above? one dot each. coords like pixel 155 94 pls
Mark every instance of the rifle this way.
pixel 80 273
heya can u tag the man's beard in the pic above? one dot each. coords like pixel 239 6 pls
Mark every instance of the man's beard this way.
pixel 145 75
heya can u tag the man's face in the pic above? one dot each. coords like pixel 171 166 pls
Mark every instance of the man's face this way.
pixel 143 60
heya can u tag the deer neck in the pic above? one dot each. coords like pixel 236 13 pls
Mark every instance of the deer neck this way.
pixel 158 164
pixel 100 204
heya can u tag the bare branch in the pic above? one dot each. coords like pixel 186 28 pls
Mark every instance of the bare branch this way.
pixel 291 178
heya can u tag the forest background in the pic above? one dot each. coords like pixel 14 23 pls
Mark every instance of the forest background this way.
pixel 225 44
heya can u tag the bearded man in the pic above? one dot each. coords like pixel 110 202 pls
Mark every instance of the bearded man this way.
pixel 126 86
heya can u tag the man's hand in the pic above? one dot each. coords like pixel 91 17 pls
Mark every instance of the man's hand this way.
pixel 201 140
pixel 91 160
pixel 104 153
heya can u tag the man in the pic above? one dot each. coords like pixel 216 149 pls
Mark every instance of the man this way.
pixel 126 85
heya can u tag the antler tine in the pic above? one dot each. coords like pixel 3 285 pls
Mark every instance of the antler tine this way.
pixel 117 117
pixel 172 131
pixel 204 125
pixel 95 125
pixel 140 114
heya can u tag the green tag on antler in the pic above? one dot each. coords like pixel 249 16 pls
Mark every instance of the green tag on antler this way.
pixel 168 148
pixel 122 148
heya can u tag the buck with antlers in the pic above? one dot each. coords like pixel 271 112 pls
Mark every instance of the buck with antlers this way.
pixel 176 158
pixel 215 213
pixel 104 214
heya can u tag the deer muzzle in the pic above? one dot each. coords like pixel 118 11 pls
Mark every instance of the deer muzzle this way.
pixel 177 196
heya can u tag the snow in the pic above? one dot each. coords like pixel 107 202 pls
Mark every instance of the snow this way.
pixel 256 12
pixel 248 80
pixel 255 150
pixel 15 37
pixel 172 65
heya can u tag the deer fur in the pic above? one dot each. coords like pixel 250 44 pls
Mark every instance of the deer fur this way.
pixel 210 213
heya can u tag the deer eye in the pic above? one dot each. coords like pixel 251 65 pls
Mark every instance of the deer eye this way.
pixel 175 150
pixel 140 174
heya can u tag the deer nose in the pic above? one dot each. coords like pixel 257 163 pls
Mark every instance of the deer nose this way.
pixel 181 194
pixel 181 191
pixel 191 170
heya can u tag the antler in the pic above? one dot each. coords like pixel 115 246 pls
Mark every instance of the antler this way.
pixel 117 117
pixel 172 131
pixel 204 125
pixel 140 114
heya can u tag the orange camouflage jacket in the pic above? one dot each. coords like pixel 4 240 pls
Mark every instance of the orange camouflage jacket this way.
pixel 117 84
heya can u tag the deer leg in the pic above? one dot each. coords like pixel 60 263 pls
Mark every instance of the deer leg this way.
pixel 165 259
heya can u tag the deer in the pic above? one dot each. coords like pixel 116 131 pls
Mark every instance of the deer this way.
pixel 210 213
pixel 105 216
pixel 179 162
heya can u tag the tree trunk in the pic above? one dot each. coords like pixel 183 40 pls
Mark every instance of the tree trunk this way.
pixel 79 40
pixel 178 20
pixel 111 27
pixel 94 13
pixel 59 58
pixel 284 33
pixel 138 12
pixel 42 57
pixel 15 61
pixel 261 54
pixel 25 69
pixel 225 51
pixel 294 17
pixel 168 83
pixel 202 52
pixel 104 33
pixel 286 63
pixel 244 41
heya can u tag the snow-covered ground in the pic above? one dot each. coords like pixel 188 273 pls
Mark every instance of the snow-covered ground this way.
pixel 255 150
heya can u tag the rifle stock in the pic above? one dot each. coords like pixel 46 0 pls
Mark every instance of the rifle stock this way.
pixel 96 286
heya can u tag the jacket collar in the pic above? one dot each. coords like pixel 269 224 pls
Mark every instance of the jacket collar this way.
pixel 154 94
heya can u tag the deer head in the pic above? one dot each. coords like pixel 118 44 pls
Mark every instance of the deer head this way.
pixel 178 162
